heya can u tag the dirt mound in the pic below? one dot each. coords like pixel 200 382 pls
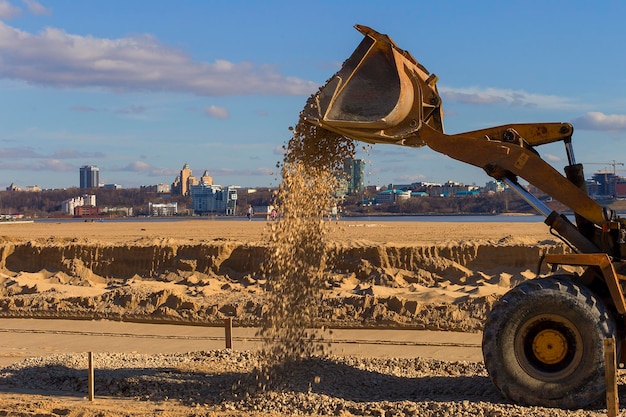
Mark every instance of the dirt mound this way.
pixel 445 287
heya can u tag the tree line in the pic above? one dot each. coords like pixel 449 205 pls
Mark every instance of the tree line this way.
pixel 497 203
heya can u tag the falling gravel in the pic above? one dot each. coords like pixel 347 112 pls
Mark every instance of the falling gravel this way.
pixel 298 256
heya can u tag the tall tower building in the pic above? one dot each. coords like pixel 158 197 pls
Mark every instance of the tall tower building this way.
pixel 184 181
pixel 89 176
pixel 185 175
pixel 354 169
pixel 206 178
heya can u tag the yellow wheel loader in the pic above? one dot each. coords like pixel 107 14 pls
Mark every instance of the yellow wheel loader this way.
pixel 543 340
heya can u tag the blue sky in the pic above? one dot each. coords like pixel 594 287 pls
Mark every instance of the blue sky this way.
pixel 139 88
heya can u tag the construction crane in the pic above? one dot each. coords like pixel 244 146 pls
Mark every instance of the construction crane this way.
pixel 608 189
pixel 612 163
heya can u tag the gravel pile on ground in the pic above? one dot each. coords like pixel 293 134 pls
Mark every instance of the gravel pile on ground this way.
pixel 226 382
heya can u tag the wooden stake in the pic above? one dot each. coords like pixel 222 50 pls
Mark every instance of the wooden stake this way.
pixel 610 367
pixel 228 327
pixel 90 378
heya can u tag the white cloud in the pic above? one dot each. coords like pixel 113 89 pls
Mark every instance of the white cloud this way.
pixel 139 63
pixel 14 153
pixel 137 166
pixel 53 165
pixel 410 178
pixel 487 96
pixel 36 8
pixel 216 112
pixel 144 167
pixel 30 153
pixel 163 172
pixel 552 158
pixel 7 10
pixel 279 150
pixel 601 121
pixel 472 98
pixel 72 154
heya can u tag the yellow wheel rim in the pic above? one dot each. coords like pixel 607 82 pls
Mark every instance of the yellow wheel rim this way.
pixel 550 346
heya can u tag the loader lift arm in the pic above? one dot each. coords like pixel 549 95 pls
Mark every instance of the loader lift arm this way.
pixel 505 159
pixel 543 340
pixel 383 95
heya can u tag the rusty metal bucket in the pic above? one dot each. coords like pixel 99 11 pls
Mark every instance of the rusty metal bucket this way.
pixel 380 95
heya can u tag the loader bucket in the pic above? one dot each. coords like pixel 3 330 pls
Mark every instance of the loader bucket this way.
pixel 380 95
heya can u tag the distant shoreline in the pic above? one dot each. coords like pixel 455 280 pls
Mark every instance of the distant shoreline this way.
pixel 382 217
pixel 16 221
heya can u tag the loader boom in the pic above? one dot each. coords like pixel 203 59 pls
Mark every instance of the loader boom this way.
pixel 543 340
pixel 383 95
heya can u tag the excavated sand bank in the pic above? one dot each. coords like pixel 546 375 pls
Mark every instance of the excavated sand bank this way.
pixel 417 275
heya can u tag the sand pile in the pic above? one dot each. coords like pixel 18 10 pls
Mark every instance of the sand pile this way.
pixel 436 286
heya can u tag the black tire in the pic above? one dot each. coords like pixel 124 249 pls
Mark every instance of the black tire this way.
pixel 543 343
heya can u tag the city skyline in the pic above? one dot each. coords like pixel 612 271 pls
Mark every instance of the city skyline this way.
pixel 141 87
pixel 89 175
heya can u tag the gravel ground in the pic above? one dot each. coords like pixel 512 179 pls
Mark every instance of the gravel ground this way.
pixel 225 382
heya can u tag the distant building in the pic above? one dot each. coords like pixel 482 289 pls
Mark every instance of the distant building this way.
pixel 372 189
pixel 69 206
pixel 13 187
pixel 33 188
pixel 342 187
pixel 208 198
pixel 163 188
pixel 606 182
pixel 620 188
pixel 391 196
pixel 117 211
pixel 593 187
pixel 86 211
pixel 184 181
pixel 158 188
pixel 453 188
pixel 355 173
pixel 163 209
pixel 264 211
pixel 206 178
pixel 89 199
pixel 495 186
pixel 89 176
pixel 112 186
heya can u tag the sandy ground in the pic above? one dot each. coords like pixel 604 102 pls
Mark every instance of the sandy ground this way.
pixel 25 338
pixel 241 230
pixel 418 275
